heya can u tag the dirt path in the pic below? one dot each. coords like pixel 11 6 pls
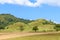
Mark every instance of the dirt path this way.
pixel 13 35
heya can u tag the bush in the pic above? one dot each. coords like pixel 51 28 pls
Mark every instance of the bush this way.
pixel 35 28
pixel 57 27
pixel 21 28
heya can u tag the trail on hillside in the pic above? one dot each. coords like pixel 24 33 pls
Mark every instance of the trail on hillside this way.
pixel 18 34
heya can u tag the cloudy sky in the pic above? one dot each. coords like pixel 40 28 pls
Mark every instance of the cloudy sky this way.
pixel 32 9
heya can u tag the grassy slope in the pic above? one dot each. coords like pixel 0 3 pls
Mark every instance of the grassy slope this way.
pixel 39 37
pixel 15 27
pixel 11 24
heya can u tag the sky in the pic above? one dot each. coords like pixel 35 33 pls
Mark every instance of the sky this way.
pixel 32 9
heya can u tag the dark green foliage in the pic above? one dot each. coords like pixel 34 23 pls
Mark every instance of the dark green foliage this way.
pixel 1 27
pixel 25 20
pixel 21 28
pixel 35 28
pixel 8 19
pixel 57 27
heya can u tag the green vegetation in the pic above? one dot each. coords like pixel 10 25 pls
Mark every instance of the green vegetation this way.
pixel 21 28
pixel 10 23
pixel 35 28
pixel 57 27
pixel 7 19
pixel 39 37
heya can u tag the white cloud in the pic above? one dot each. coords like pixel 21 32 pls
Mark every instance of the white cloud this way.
pixel 28 3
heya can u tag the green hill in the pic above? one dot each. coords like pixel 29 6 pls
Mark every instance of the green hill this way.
pixel 9 22
pixel 8 19
pixel 43 25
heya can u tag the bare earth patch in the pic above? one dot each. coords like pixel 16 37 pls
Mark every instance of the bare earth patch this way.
pixel 18 34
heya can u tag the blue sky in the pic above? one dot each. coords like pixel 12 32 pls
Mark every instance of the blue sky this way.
pixel 26 11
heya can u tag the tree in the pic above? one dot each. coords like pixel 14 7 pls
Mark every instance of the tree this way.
pixel 21 28
pixel 57 27
pixel 35 28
